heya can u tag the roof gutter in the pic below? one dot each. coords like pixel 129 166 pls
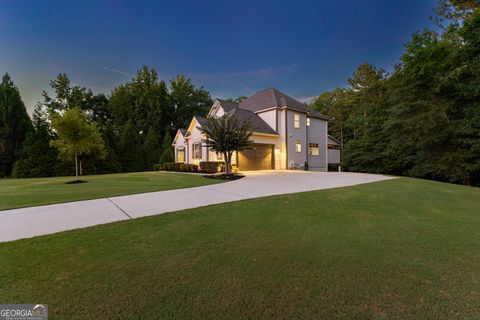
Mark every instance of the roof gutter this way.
pixel 265 134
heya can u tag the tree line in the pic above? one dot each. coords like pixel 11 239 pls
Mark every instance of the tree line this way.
pixel 130 130
pixel 422 119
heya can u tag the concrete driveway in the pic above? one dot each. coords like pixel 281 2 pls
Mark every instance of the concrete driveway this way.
pixel 34 221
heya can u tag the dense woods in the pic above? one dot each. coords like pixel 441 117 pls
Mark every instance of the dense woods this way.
pixel 420 120
pixel 135 125
pixel 423 119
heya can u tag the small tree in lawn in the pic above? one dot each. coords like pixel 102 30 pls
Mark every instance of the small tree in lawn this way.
pixel 76 137
pixel 227 135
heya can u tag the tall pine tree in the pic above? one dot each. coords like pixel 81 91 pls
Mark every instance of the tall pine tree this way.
pixel 14 125
pixel 151 149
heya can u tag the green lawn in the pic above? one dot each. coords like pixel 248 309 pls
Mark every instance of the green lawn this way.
pixel 398 249
pixel 17 193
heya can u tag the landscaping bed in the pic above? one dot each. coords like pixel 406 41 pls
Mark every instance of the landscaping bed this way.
pixel 202 167
pixel 225 176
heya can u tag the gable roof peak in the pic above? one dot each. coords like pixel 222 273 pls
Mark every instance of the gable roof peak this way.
pixel 227 105
pixel 269 98
pixel 274 98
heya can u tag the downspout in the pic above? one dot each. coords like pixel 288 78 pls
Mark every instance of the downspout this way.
pixel 306 140
pixel 326 145
pixel 286 138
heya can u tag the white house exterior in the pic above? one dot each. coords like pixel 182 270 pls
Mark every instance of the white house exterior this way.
pixel 287 134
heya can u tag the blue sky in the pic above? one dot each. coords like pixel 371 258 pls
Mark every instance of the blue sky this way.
pixel 231 47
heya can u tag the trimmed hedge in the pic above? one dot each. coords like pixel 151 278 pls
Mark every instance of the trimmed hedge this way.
pixel 176 166
pixel 212 166
pixel 205 166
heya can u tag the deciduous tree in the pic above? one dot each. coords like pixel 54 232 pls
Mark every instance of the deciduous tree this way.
pixel 75 136
pixel 227 135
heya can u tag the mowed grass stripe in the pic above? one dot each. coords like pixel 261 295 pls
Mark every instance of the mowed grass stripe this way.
pixel 397 249
pixel 18 193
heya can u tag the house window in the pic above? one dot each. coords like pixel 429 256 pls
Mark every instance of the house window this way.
pixel 296 120
pixel 196 151
pixel 308 121
pixel 313 149
pixel 298 146
pixel 181 154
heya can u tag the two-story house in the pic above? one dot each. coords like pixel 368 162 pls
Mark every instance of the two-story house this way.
pixel 287 134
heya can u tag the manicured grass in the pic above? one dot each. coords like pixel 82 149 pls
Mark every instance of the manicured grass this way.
pixel 398 249
pixel 16 193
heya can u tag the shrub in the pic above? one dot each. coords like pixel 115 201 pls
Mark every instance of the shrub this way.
pixel 159 167
pixel 167 156
pixel 212 166
pixel 177 166
pixel 169 166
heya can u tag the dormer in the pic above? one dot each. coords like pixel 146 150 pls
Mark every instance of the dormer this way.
pixel 220 107
pixel 179 135
pixel 216 110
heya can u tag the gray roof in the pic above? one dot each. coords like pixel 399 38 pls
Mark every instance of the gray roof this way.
pixel 273 98
pixel 268 98
pixel 334 140
pixel 228 105
pixel 183 131
pixel 257 123
pixel 202 120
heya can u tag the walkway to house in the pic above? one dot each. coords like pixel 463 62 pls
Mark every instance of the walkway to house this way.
pixel 28 222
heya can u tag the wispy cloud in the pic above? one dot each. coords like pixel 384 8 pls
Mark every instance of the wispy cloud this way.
pixel 307 100
pixel 123 73
pixel 258 74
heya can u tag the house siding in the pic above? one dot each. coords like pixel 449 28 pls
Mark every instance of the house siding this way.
pixel 196 137
pixel 317 133
pixel 282 151
pixel 333 156
pixel 270 117
pixel 294 134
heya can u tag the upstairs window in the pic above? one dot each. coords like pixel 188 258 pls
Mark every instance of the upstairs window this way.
pixel 298 146
pixel 313 149
pixel 296 120
pixel 308 121
pixel 196 151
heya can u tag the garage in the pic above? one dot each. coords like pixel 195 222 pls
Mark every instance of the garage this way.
pixel 259 157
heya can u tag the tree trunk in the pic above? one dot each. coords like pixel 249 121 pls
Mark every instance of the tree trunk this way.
pixel 365 123
pixel 341 144
pixel 80 162
pixel 228 160
pixel 76 167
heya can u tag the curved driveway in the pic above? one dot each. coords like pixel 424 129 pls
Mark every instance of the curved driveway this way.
pixel 34 221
